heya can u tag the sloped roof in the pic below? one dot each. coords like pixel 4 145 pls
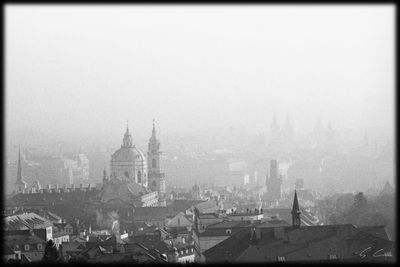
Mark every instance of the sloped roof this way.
pixel 126 191
pixel 206 205
pixel 378 231
pixel 185 204
pixel 22 239
pixel 26 221
pixel 46 198
pixel 286 215
pixel 304 243
pixel 152 213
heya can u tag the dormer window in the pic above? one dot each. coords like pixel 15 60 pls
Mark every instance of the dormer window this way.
pixel 228 231
pixel 27 247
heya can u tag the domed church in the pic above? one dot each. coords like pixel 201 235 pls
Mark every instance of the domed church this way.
pixel 129 177
pixel 129 163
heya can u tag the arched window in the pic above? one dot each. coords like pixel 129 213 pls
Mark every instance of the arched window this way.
pixel 139 177
pixel 153 163
pixel 154 184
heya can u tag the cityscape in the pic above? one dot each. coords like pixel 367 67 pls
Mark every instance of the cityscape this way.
pixel 186 155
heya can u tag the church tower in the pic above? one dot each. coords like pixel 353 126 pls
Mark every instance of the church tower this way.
pixel 20 185
pixel 296 212
pixel 156 179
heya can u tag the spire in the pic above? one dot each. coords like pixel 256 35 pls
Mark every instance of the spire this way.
pixel 19 173
pixel 127 141
pixel 153 139
pixel 153 133
pixel 295 211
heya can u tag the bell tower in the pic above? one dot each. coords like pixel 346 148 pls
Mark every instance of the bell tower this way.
pixel 156 179
pixel 19 185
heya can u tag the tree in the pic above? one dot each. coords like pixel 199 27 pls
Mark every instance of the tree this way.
pixel 51 253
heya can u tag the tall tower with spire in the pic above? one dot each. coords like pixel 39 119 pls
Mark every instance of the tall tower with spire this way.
pixel 296 212
pixel 20 185
pixel 156 179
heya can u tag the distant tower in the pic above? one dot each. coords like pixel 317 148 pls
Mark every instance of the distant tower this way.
pixel 155 177
pixel 296 212
pixel 274 182
pixel 20 185
pixel 105 177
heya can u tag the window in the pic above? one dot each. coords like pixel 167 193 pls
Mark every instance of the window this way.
pixel 26 247
pixel 48 230
pixel 154 184
pixel 139 177
pixel 228 231
pixel 281 258
pixel 127 174
pixel 39 246
pixel 154 163
pixel 332 257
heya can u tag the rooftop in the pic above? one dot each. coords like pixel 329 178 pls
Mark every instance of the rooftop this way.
pixel 26 221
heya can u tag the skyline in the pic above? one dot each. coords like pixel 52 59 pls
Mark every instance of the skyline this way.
pixel 238 67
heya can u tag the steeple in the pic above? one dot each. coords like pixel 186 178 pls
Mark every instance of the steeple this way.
pixel 20 185
pixel 19 173
pixel 296 212
pixel 153 132
pixel 127 141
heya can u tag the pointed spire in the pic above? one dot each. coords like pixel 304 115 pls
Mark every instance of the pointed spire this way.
pixel 296 211
pixel 127 141
pixel 19 173
pixel 154 128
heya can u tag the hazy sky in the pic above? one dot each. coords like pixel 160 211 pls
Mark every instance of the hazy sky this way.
pixel 87 69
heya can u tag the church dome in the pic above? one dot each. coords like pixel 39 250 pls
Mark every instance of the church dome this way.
pixel 139 154
pixel 124 154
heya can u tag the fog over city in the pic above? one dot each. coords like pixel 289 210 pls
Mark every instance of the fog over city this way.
pixel 86 70
pixel 199 133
